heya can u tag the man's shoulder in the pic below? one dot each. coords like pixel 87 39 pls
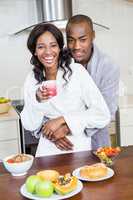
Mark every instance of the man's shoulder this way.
pixel 103 60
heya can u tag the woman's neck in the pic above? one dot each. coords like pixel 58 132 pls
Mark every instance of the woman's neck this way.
pixel 50 74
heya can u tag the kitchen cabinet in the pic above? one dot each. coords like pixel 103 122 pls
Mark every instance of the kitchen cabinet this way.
pixel 9 133
pixel 126 120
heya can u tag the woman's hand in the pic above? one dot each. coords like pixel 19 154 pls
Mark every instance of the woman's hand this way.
pixel 51 126
pixel 42 94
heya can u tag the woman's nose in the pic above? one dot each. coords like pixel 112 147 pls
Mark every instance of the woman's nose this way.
pixel 47 50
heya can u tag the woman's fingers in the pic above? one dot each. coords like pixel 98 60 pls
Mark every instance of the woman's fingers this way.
pixel 45 94
pixel 42 93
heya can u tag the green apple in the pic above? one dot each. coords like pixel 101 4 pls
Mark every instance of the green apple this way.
pixel 44 189
pixel 31 182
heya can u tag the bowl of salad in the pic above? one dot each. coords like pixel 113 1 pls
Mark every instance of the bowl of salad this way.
pixel 107 155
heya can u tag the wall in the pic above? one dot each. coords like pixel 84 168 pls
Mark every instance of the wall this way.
pixel 14 56
pixel 17 14
pixel 118 41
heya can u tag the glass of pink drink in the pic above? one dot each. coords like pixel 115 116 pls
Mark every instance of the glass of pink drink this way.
pixel 51 87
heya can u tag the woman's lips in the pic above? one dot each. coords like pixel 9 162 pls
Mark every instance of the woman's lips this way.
pixel 48 60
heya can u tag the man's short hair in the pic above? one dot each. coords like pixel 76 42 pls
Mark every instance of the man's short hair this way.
pixel 76 19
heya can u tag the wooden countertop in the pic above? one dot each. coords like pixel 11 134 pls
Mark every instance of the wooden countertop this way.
pixel 119 187
pixel 12 114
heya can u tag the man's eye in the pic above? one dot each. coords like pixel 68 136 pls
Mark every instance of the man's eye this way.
pixel 70 40
pixel 83 39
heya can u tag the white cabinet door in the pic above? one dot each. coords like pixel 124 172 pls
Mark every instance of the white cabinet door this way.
pixel 8 130
pixel 126 136
pixel 9 133
pixel 9 147
pixel 126 126
pixel 126 116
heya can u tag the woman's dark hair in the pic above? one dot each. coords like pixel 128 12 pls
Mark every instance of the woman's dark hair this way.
pixel 64 56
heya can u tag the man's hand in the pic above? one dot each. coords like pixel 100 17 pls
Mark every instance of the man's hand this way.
pixel 64 144
pixel 49 128
pixel 60 140
pixel 59 136
pixel 61 132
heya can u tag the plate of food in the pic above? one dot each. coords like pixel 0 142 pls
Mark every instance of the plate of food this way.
pixel 107 155
pixel 49 185
pixel 95 172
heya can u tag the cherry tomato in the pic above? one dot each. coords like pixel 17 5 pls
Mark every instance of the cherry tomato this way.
pixel 10 161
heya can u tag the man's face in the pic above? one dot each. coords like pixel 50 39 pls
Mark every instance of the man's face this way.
pixel 79 41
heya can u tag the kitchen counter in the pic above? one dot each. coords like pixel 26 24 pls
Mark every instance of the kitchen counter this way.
pixel 12 114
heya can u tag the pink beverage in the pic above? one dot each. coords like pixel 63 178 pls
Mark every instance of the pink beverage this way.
pixel 51 87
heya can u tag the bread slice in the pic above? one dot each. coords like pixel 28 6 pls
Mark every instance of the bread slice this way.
pixel 51 175
pixel 94 171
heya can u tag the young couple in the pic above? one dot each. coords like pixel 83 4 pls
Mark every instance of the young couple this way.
pixel 77 118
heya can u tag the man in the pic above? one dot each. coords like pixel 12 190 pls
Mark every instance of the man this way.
pixel 80 37
pixel 80 41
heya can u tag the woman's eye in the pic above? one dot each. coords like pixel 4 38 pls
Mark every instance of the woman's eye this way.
pixel 39 47
pixel 53 45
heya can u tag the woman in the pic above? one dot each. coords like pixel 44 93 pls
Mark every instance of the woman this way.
pixel 78 102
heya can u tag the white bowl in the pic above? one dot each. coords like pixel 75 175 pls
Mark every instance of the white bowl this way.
pixel 18 169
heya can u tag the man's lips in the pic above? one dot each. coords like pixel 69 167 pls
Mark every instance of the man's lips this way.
pixel 77 54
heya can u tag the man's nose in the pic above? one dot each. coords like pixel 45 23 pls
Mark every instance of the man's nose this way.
pixel 76 45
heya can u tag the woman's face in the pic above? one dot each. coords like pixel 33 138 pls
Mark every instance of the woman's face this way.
pixel 47 50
